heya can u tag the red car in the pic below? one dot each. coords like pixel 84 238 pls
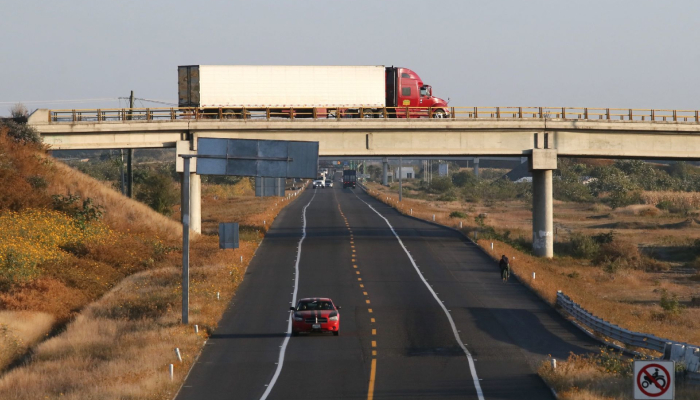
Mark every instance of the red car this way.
pixel 315 315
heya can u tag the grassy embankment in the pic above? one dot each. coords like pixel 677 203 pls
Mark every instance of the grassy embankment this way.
pixel 108 286
pixel 649 297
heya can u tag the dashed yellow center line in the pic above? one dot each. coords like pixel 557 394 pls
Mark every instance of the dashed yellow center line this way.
pixel 370 310
pixel 352 242
pixel 357 272
pixel 359 279
pixel 371 320
pixel 365 293
pixel 361 285
pixel 374 332
pixel 374 352
pixel 354 266
pixel 374 343
pixel 367 301
pixel 352 247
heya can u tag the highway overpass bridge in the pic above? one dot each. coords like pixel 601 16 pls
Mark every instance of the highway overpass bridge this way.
pixel 539 133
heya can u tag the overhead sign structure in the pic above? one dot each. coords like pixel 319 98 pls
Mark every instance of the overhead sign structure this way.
pixel 266 187
pixel 249 157
pixel 241 157
pixel 228 235
pixel 654 380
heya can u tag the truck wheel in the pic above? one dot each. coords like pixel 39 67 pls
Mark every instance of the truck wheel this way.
pixel 368 114
pixel 439 114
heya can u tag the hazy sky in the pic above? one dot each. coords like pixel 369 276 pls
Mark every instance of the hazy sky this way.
pixel 613 53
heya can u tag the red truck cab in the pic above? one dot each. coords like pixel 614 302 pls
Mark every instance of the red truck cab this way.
pixel 404 88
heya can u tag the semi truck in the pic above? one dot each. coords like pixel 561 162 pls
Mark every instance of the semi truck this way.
pixel 242 91
pixel 349 178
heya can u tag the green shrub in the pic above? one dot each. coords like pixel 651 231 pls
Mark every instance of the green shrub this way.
pixel 458 214
pixel 84 214
pixel 21 132
pixel 619 254
pixel 584 246
pixel 441 184
pixel 670 303
pixel 463 179
pixel 604 238
pixel 159 193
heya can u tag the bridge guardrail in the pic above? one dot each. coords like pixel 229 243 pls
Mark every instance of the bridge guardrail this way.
pixel 335 113
pixel 687 354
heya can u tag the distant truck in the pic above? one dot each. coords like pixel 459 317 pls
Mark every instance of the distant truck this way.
pixel 349 178
pixel 239 91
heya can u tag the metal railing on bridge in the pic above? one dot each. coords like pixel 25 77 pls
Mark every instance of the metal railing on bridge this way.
pixel 329 113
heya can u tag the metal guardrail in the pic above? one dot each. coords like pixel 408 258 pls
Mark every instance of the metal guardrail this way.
pixel 326 113
pixel 684 353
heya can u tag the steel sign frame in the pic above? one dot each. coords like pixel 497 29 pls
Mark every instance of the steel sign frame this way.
pixel 259 158
pixel 662 369
pixel 242 157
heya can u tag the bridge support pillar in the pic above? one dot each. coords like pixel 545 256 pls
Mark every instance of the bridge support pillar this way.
pixel 196 203
pixel 385 171
pixel 542 162
pixel 476 167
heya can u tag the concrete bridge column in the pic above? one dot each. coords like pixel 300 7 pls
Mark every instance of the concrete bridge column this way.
pixel 476 167
pixel 385 171
pixel 542 162
pixel 184 147
pixel 196 203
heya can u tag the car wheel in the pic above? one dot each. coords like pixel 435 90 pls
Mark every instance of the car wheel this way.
pixel 295 333
pixel 336 333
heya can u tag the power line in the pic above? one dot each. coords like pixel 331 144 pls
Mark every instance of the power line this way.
pixel 152 101
pixel 60 101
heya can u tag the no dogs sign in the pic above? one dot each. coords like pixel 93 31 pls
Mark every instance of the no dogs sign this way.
pixel 654 379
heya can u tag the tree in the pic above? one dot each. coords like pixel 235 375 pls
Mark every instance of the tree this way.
pixel 19 111
pixel 159 193
pixel 464 178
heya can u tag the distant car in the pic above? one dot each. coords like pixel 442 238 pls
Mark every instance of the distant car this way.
pixel 329 182
pixel 319 183
pixel 315 315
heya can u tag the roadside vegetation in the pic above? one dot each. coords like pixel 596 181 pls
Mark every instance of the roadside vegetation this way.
pixel 627 243
pixel 90 280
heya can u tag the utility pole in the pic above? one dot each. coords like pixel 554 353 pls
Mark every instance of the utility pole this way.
pixel 130 158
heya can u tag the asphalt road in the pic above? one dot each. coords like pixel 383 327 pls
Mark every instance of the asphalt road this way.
pixel 395 341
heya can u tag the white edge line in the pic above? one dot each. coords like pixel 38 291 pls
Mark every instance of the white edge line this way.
pixel 472 367
pixel 280 361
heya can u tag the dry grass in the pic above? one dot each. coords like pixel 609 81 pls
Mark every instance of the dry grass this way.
pixel 681 199
pixel 118 297
pixel 121 213
pixel 587 378
pixel 21 330
pixel 121 345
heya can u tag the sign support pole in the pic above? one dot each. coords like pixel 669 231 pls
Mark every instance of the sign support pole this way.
pixel 400 179
pixel 186 241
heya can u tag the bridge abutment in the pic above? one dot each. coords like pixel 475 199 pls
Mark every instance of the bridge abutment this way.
pixel 542 163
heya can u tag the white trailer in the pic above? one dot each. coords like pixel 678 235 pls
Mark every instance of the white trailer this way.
pixel 237 87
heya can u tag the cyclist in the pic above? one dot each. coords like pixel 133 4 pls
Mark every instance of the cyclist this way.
pixel 505 268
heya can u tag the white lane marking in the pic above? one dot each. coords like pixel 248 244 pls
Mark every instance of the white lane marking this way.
pixel 472 367
pixel 283 348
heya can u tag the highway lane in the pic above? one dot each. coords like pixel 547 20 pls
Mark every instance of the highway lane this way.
pixel 388 314
pixel 507 329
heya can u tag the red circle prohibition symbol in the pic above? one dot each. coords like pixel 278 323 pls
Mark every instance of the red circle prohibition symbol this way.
pixel 659 381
